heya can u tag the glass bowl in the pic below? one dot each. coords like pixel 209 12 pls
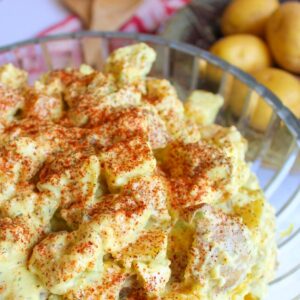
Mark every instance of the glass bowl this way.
pixel 274 153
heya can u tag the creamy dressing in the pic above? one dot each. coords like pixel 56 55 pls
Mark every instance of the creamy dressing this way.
pixel 20 284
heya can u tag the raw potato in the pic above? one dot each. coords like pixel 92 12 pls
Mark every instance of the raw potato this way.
pixel 244 51
pixel 247 16
pixel 284 85
pixel 283 36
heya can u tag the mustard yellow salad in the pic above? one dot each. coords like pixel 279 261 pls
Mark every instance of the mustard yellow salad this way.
pixel 112 188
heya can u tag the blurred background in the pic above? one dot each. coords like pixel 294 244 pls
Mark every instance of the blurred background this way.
pixel 261 37
pixel 21 19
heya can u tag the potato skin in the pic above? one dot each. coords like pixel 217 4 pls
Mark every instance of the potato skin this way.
pixel 283 84
pixel 244 16
pixel 244 51
pixel 283 36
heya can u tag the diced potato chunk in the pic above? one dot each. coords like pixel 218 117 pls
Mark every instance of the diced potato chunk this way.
pixel 154 191
pixel 181 293
pixel 130 64
pixel 192 159
pixel 9 177
pixel 13 77
pixel 105 286
pixel 46 135
pixel 116 216
pixel 126 160
pixel 86 69
pixel 148 257
pixel 162 95
pixel 129 122
pixel 157 131
pixel 212 168
pixel 62 258
pixel 23 204
pixel 250 212
pixel 234 146
pixel 71 178
pixel 120 126
pixel 20 159
pixel 185 131
pixel 179 242
pixel 46 108
pixel 16 240
pixel 186 192
pixel 153 276
pixel 52 89
pixel 19 283
pixel 151 245
pixel 266 258
pixel 36 208
pixel 199 172
pixel 70 83
pixel 102 85
pixel 92 112
pixel 222 253
pixel 202 107
pixel 10 102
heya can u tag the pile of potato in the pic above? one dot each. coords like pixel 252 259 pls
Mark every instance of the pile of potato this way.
pixel 262 37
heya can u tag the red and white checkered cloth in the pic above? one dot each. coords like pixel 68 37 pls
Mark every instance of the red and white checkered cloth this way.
pixel 150 15
pixel 147 19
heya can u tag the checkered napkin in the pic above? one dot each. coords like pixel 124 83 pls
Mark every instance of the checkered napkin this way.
pixel 144 16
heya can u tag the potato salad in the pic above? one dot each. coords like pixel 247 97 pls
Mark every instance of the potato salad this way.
pixel 112 188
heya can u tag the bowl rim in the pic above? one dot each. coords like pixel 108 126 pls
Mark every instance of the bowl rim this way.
pixel 282 111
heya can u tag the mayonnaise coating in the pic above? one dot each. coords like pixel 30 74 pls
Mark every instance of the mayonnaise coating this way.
pixel 112 188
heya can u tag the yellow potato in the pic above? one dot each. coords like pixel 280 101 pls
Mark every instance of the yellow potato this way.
pixel 250 297
pixel 283 36
pixel 247 16
pixel 244 51
pixel 284 85
pixel 251 213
